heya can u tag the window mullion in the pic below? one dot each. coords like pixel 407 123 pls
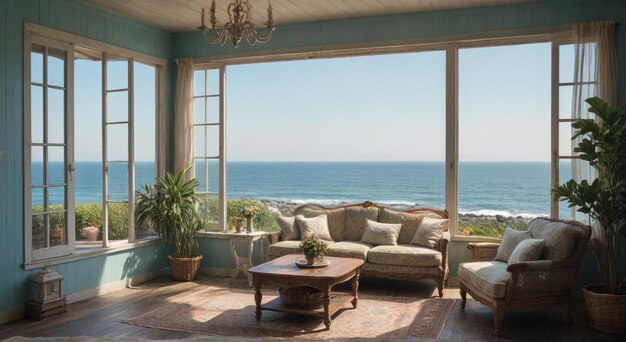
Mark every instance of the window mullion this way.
pixel 131 150
pixel 105 165
pixel 554 160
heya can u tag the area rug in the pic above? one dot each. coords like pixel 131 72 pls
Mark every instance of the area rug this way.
pixel 230 312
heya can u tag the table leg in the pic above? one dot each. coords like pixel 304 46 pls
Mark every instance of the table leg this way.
pixel 355 288
pixel 249 265
pixel 257 298
pixel 326 302
pixel 235 272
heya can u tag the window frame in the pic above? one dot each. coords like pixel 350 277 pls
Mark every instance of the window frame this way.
pixel 34 33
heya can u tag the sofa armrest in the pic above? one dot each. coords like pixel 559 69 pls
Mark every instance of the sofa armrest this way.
pixel 274 237
pixel 483 251
pixel 536 265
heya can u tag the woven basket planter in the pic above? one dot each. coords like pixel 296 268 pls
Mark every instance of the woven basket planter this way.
pixel 185 269
pixel 606 312
pixel 301 296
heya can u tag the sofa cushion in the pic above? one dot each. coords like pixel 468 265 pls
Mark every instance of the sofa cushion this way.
pixel 283 248
pixel 355 220
pixel 288 228
pixel 510 240
pixel 559 238
pixel 489 277
pixel 404 255
pixel 317 226
pixel 527 250
pixel 349 249
pixel 429 232
pixel 378 233
pixel 409 221
pixel 335 218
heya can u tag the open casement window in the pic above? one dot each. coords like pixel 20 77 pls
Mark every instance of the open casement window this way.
pixel 209 156
pixel 48 154
pixel 564 159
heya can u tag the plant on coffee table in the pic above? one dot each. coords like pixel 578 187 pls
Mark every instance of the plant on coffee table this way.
pixel 313 248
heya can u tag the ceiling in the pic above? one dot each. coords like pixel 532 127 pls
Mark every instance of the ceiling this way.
pixel 184 15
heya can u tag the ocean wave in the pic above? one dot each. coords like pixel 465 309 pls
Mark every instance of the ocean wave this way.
pixel 492 212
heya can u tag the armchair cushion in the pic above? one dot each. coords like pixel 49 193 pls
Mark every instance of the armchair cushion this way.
pixel 349 249
pixel 288 227
pixel 405 255
pixel 510 240
pixel 560 238
pixel 527 250
pixel 489 277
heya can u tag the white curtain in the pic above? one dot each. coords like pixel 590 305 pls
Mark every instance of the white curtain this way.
pixel 595 74
pixel 183 118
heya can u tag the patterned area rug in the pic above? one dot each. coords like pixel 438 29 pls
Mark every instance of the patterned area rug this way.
pixel 230 312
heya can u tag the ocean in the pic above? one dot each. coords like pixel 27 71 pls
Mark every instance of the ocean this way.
pixel 489 188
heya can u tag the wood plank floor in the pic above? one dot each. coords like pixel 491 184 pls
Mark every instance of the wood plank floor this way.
pixel 101 316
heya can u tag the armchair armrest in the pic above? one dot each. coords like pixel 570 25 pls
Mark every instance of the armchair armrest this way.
pixel 274 237
pixel 483 251
pixel 536 265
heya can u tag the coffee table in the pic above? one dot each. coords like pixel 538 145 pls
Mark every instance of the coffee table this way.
pixel 284 272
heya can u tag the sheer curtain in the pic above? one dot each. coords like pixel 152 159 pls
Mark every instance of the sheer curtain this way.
pixel 595 74
pixel 183 118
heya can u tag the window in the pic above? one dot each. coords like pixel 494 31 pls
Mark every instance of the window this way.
pixel 208 146
pixel 90 131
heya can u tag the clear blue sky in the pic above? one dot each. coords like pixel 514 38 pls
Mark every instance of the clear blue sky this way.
pixel 373 108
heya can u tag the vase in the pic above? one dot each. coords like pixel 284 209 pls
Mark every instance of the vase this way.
pixel 310 259
pixel 238 223
pixel 249 224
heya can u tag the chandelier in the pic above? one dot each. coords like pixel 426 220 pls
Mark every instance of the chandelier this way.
pixel 237 27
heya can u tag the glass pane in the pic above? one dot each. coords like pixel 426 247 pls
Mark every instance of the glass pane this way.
pixel 565 101
pixel 58 231
pixel 207 174
pixel 118 221
pixel 118 181
pixel 56 67
pixel 145 124
pixel 213 175
pixel 36 65
pixel 56 116
pixel 198 108
pixel 56 165
pixel 209 212
pixel 213 81
pixel 117 106
pixel 198 81
pixel 213 141
pixel 39 231
pixel 36 200
pixel 199 145
pixel 36 114
pixel 566 63
pixel 213 109
pixel 56 198
pixel 565 139
pixel 36 165
pixel 117 142
pixel 117 74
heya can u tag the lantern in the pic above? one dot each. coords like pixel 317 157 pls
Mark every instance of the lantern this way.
pixel 47 295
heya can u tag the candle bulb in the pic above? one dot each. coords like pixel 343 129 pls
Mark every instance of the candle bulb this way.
pixel 213 19
pixel 270 17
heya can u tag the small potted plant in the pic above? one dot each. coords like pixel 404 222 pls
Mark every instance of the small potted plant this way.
pixel 90 233
pixel 250 210
pixel 313 249
pixel 237 223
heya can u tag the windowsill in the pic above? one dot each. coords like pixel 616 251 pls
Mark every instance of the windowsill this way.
pixel 228 234
pixel 86 253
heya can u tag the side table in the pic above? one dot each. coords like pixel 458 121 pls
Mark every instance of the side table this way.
pixel 244 263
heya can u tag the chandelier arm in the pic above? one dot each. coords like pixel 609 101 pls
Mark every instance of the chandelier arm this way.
pixel 220 36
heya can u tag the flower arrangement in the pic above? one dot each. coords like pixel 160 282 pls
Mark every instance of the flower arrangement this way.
pixel 251 209
pixel 313 247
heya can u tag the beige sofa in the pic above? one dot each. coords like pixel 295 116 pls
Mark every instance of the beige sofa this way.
pixel 404 261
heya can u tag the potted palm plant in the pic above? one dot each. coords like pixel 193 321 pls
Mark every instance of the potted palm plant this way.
pixel 169 206
pixel 603 145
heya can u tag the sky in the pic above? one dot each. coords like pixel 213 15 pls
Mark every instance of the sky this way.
pixel 370 108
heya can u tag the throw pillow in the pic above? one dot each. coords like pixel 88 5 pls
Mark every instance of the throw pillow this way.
pixel 429 232
pixel 527 250
pixel 377 233
pixel 317 225
pixel 288 227
pixel 510 240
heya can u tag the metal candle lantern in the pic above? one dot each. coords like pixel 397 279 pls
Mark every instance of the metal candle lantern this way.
pixel 46 286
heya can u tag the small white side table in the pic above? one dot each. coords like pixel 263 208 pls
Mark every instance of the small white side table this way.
pixel 243 263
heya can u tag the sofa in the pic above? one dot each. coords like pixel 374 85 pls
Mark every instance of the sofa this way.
pixel 403 261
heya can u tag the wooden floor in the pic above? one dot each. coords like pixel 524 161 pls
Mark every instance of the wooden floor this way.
pixel 101 316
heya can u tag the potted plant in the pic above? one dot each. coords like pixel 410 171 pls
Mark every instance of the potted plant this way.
pixel 90 233
pixel 603 145
pixel 249 209
pixel 169 206
pixel 313 249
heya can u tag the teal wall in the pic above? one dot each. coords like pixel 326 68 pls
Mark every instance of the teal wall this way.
pixel 73 17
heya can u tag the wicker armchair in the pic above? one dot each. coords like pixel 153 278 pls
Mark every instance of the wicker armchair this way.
pixel 529 285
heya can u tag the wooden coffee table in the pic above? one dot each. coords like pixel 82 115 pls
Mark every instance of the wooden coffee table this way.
pixel 284 272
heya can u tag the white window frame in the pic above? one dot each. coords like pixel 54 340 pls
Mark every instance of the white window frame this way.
pixel 221 157
pixel 32 34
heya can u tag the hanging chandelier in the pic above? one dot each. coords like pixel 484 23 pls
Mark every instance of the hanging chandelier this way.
pixel 237 27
